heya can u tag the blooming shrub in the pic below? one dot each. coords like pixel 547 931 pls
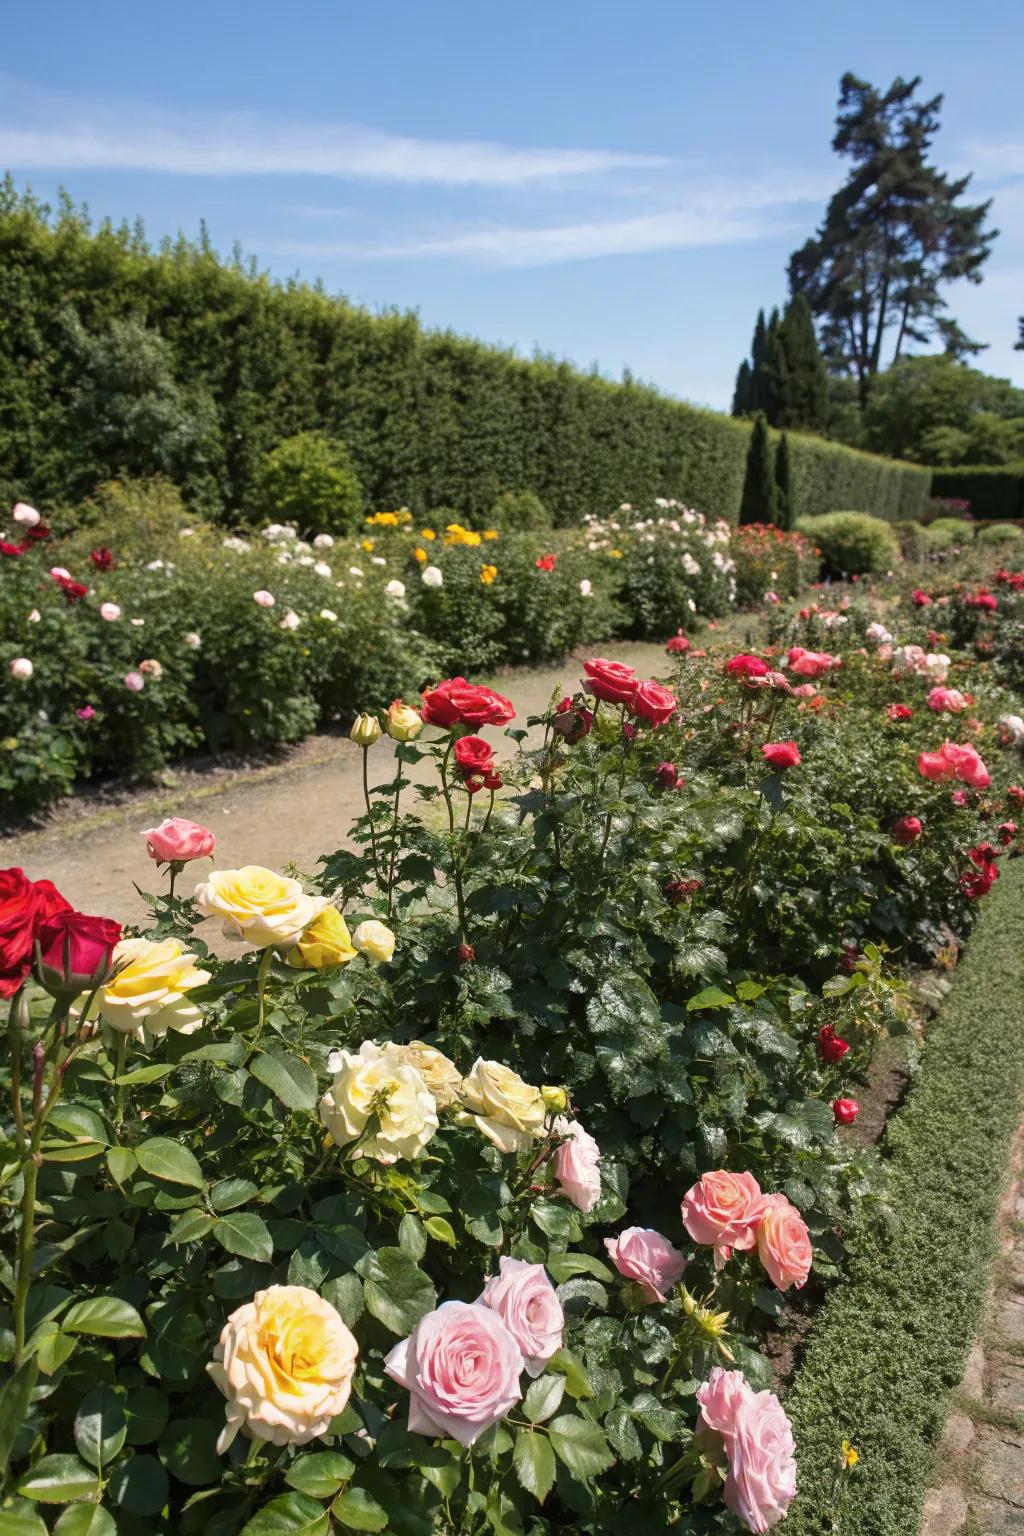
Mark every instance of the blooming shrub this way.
pixel 771 560
pixel 673 564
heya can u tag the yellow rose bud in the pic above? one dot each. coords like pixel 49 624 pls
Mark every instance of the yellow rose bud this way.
pixel 427 533
pixel 375 941
pixel 420 555
pixel 403 722
pixel 365 730
pixel 325 943
pixel 556 1099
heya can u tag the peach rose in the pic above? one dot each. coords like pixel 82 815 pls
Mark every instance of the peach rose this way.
pixel 643 1255
pixel 723 1209
pixel 284 1362
pixel 525 1300
pixel 757 1438
pixel 783 1244
pixel 578 1165
pixel 177 841
pixel 461 1367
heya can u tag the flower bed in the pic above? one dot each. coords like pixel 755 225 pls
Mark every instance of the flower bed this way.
pixel 466 1197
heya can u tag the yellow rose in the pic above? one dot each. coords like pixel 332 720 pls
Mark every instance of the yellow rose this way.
pixel 147 996
pixel 258 907
pixel 325 943
pixel 556 1099
pixel 284 1362
pixel 365 730
pixel 441 1076
pixel 490 533
pixel 509 1112
pixel 403 722
pixel 375 941
pixel 420 555
pixel 488 573
pixel 428 534
pixel 375 1082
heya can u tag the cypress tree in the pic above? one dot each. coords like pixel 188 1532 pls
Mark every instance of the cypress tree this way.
pixel 760 504
pixel 774 385
pixel 784 484
pixel 804 401
pixel 758 352
pixel 741 394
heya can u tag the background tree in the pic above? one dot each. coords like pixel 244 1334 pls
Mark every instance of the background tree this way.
pixel 933 410
pixel 785 377
pixel 894 234
pixel 783 484
pixel 1019 343
pixel 760 493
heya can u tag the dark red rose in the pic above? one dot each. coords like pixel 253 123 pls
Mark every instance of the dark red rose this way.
pixel 1007 832
pixel 493 781
pixel 906 831
pixel 12 551
pixel 653 703
pixel 474 757
pixel 1015 794
pixel 781 754
pixel 831 1047
pixel 849 958
pixel 572 722
pixel 456 702
pixel 612 681
pixel 920 599
pixel 983 854
pixel 679 891
pixel 745 666
pixel 37 534
pixel 102 559
pixel 467 954
pixel 76 952
pixel 666 776
pixel 73 591
pixel 24 905
pixel 845 1111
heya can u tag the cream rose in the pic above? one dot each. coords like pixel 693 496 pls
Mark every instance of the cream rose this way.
pixel 258 907
pixel 375 941
pixel 375 1082
pixel 441 1076
pixel 148 994
pixel 284 1362
pixel 509 1112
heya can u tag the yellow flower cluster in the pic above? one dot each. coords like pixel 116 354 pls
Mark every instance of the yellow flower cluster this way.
pixel 490 533
pixel 456 534
pixel 391 519
pixel 420 555
pixel 488 573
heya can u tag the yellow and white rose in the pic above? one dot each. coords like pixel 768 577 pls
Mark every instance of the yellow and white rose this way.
pixel 376 1082
pixel 441 1076
pixel 148 994
pixel 374 940
pixel 258 906
pixel 509 1112
pixel 324 944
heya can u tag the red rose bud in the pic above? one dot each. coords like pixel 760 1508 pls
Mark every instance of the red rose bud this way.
pixel 563 706
pixel 781 754
pixel 899 712
pixel 849 958
pixel 805 613
pixel 546 562
pixel 493 781
pixel 831 1048
pixel 76 952
pixel 1007 832
pixel 845 1111
pixel 629 731
pixel 679 891
pixel 467 954
pixel 572 723
pixel 102 559
pixel 906 831
pixel 666 776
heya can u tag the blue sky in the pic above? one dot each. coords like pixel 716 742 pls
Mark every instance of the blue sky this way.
pixel 616 183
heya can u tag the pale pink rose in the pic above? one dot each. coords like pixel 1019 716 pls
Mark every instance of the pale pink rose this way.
pixel 783 1244
pixel 60 573
pixel 110 611
pixel 643 1255
pixel 263 598
pixel 723 1209
pixel 525 1300
pixel 25 516
pixel 578 1165
pixel 948 700
pixel 134 682
pixel 461 1367
pixel 22 668
pixel 756 1435
pixel 804 691
pixel 177 840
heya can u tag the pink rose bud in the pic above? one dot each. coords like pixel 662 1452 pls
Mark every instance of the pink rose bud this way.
pixel 461 1367
pixel 263 598
pixel 110 611
pixel 177 841
pixel 86 712
pixel 783 1243
pixel 577 1165
pixel 643 1255
pixel 525 1300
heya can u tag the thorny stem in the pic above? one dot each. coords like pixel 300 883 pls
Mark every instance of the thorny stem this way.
pixel 622 784
pixel 456 862
pixel 369 813
pixel 394 842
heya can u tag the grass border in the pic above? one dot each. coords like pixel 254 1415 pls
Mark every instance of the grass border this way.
pixel 891 1344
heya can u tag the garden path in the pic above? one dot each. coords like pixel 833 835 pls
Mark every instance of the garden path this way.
pixel 288 813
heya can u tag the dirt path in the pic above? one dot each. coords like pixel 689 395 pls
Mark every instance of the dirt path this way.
pixel 288 813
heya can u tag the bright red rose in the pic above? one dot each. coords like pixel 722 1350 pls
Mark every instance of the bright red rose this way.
pixel 653 703
pixel 546 562
pixel 73 591
pixel 920 599
pixel 831 1047
pixel 906 831
pixel 24 905
pixel 983 600
pixel 102 559
pixel 456 702
pixel 845 1111
pixel 899 711
pixel 781 754
pixel 679 643
pixel 612 681
pixel 12 551
pixel 745 666
pixel 474 757
pixel 76 952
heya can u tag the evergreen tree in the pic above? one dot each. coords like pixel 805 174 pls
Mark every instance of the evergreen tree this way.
pixel 1018 345
pixel 892 237
pixel 760 501
pixel 805 399
pixel 758 351
pixel 783 484
pixel 774 381
pixel 741 395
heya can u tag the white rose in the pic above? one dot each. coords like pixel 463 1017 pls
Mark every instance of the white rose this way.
pixel 395 589
pixel 25 516
pixel 374 940
pixel 432 576
pixel 509 1112
pixel 323 541
pixel 375 1082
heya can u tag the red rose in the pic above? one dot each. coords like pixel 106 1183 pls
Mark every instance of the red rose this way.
pixel 76 952
pixel 39 532
pixel 845 1111
pixel 666 776
pixel 781 754
pixel 572 722
pixel 679 643
pixel 653 703
pixel 545 562
pixel 1007 832
pixel 12 551
pixel 906 831
pixel 612 681
pixel 73 591
pixel 983 600
pixel 746 666
pixel 899 712
pixel 831 1048
pixel 457 702
pixel 920 599
pixel 102 559
pixel 848 961
pixel 977 883
pixel 678 891
pixel 24 905
pixel 983 855
pixel 493 781
pixel 474 757
pixel 1015 793
pixel 466 954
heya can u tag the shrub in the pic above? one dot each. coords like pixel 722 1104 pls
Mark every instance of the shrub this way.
pixel 852 543
pixel 948 533
pixel 911 537
pixel 672 565
pixel 519 512
pixel 309 480
pixel 141 519
pixel 993 491
pixel 826 475
pixel 995 534
pixel 770 560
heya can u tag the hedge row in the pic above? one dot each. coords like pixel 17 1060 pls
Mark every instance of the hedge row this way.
pixel 995 491
pixel 893 1340
pixel 432 420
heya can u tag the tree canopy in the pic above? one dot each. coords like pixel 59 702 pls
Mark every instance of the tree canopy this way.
pixel 933 410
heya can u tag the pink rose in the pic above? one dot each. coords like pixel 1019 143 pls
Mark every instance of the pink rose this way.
pixel 578 1165
pixel 724 1209
pixel 948 700
pixel 811 663
pixel 967 765
pixel 461 1367
pixel 653 703
pixel 756 1435
pixel 134 682
pixel 525 1300
pixel 110 611
pixel 643 1255
pixel 781 754
pixel 176 841
pixel 783 1244
pixel 263 598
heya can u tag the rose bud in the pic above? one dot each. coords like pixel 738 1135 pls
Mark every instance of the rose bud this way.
pixel 831 1048
pixel 365 730
pixel 466 954
pixel 1007 832
pixel 177 841
pixel 666 776
pixel 402 722
pixel 781 754
pixel 1015 794
pixel 556 1100
pixel 906 831
pixel 845 1111
pixel 75 953
pixel 848 963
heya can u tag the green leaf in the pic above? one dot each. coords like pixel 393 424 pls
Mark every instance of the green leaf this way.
pixel 412 1236
pixel 542 1398
pixel 245 1233
pixel 191 1226
pixel 320 1474
pixel 107 1317
pixel 15 1396
pixel 168 1160
pixel 21 1522
pixel 577 1383
pixel 290 1514
pixel 534 1462
pixel 711 997
pixel 85 1520
pixel 346 1295
pixel 139 1486
pixel 53 1349
pixel 188 1449
pixel 143 1075
pixel 145 1411
pixel 122 1164
pixel 580 1446
pixel 440 1230
pixel 99 1427
pixel 58 1480
pixel 231 1192
pixel 288 1078
pixel 179 1344
pixel 562 1266
pixel 358 1511
pixel 78 1122
pixel 747 990
pixel 396 1290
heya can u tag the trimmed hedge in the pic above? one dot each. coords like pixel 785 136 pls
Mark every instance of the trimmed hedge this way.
pixel 892 1342
pixel 430 419
pixel 995 491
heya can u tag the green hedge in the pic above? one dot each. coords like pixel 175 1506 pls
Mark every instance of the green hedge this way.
pixel 994 491
pixel 431 419
pixel 893 1340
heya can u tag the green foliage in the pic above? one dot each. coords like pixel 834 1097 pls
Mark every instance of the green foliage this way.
pixel 783 484
pixel 141 519
pixel 852 543
pixel 760 493
pixel 995 535
pixel 785 377
pixel 924 1280
pixel 933 410
pixel 309 480
pixel 519 512
pixel 993 492
pixel 948 533
pixel 827 476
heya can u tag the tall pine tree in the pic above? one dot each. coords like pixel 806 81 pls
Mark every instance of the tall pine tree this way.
pixel 760 495
pixel 741 395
